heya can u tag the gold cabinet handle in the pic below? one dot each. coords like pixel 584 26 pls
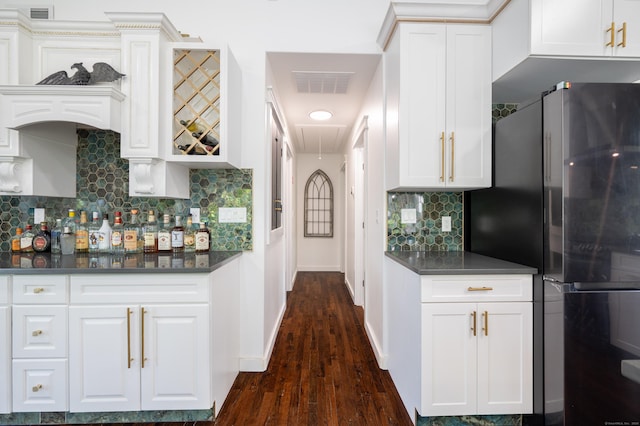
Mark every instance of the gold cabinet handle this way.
pixel 623 43
pixel 143 311
pixel 485 315
pixel 36 333
pixel 612 35
pixel 36 388
pixel 442 157
pixel 453 156
pixel 129 359
pixel 38 290
pixel 473 322
pixel 479 288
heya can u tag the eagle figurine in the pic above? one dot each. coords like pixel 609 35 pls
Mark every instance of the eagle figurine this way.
pixel 102 72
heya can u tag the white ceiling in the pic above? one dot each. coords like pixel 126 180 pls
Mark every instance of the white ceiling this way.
pixel 338 83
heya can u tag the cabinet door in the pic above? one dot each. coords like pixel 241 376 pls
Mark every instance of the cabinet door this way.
pixel 421 117
pixel 505 358
pixel 5 358
pixel 104 366
pixel 468 107
pixel 571 27
pixel 175 371
pixel 627 12
pixel 449 361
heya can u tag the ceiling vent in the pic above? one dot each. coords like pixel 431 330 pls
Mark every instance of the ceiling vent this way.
pixel 322 82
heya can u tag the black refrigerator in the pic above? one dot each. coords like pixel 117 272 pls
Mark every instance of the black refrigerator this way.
pixel 566 200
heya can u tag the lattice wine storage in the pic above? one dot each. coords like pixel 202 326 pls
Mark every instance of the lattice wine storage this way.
pixel 196 102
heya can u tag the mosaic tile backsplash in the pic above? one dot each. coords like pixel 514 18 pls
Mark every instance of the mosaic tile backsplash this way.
pixel 425 234
pixel 103 185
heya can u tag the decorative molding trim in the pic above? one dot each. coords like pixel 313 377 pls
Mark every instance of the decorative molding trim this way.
pixel 10 175
pixel 141 176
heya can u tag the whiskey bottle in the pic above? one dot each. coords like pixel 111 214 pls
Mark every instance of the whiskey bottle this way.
pixel 15 241
pixel 132 234
pixel 117 235
pixel 151 234
pixel 82 234
pixel 189 236
pixel 203 243
pixel 42 240
pixel 164 235
pixel 27 240
pixel 177 236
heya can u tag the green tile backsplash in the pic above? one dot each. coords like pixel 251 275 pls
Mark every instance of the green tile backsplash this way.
pixel 103 185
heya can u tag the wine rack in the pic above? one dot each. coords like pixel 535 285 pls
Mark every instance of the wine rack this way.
pixel 196 102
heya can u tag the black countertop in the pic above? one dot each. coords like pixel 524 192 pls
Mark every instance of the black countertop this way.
pixel 456 263
pixel 81 263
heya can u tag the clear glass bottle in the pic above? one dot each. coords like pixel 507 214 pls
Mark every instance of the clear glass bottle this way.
pixel 70 221
pixel 151 234
pixel 117 234
pixel 27 239
pixel 67 241
pixel 94 233
pixel 56 232
pixel 104 239
pixel 189 236
pixel 132 234
pixel 82 234
pixel 177 236
pixel 42 240
pixel 203 240
pixel 164 235
pixel 15 241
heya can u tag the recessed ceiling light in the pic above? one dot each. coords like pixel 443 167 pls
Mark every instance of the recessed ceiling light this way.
pixel 320 115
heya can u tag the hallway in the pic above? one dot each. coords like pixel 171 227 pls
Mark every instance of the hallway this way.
pixel 322 370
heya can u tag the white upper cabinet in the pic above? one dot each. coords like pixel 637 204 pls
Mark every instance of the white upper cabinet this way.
pixel 438 82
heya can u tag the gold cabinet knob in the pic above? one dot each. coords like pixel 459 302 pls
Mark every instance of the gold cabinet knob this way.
pixel 36 388
pixel 36 333
pixel 38 290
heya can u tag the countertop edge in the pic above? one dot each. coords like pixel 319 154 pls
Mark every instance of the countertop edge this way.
pixel 491 265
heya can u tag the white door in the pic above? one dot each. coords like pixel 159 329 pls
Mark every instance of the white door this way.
pixel 505 358
pixel 5 359
pixel 449 361
pixel 175 344
pixel 104 358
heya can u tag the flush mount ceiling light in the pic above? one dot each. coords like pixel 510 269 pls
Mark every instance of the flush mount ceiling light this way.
pixel 320 115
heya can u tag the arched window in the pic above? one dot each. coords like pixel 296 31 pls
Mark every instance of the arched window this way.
pixel 318 206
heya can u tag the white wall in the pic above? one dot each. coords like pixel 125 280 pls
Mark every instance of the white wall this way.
pixel 320 253
pixel 251 28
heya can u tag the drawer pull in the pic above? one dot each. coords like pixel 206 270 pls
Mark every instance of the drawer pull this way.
pixel 38 290
pixel 480 289
pixel 36 388
pixel 36 333
pixel 129 359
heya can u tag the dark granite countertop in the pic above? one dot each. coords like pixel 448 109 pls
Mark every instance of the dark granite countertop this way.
pixel 47 263
pixel 456 263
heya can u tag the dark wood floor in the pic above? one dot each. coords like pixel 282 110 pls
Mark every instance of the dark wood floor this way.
pixel 322 370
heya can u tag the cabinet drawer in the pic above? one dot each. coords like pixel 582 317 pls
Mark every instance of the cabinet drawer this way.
pixel 40 385
pixel 138 288
pixel 4 289
pixel 39 331
pixel 39 289
pixel 476 288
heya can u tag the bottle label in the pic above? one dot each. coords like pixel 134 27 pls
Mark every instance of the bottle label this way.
pixel 116 239
pixel 164 241
pixel 131 240
pixel 189 240
pixel 40 243
pixel 82 239
pixel 202 241
pixel 94 240
pixel 177 239
pixel 25 242
pixel 149 239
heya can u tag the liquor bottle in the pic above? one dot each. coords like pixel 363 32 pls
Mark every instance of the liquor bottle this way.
pixel 203 243
pixel 151 234
pixel 177 236
pixel 190 125
pixel 67 240
pixel 27 239
pixel 164 235
pixel 132 234
pixel 82 234
pixel 70 221
pixel 189 236
pixel 104 238
pixel 15 241
pixel 56 232
pixel 42 240
pixel 94 233
pixel 117 235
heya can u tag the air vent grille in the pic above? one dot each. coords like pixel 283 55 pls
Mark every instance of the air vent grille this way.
pixel 322 82
pixel 40 13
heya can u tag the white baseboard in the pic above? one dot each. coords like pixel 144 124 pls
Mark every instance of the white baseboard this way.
pixel 377 349
pixel 350 288
pixel 260 364
pixel 323 268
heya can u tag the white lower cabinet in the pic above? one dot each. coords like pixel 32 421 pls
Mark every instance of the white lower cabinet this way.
pixel 476 358
pixel 5 359
pixel 139 357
